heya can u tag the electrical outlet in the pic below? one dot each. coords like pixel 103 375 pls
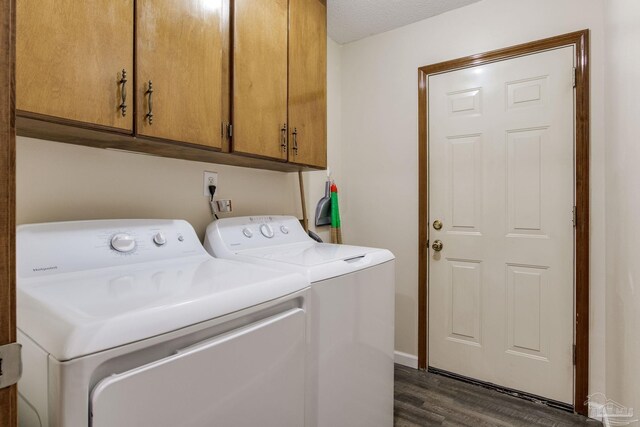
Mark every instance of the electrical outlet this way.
pixel 210 178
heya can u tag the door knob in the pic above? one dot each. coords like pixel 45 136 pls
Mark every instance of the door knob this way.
pixel 437 246
pixel 437 224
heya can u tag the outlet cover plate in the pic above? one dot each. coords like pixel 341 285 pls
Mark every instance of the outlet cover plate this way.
pixel 210 178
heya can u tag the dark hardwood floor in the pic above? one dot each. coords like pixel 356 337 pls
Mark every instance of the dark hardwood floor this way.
pixel 426 399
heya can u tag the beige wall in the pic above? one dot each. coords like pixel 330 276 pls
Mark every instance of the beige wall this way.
pixel 60 182
pixel 623 203
pixel 379 123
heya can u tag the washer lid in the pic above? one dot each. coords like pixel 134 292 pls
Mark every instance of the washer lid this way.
pixel 78 313
pixel 308 254
pixel 320 261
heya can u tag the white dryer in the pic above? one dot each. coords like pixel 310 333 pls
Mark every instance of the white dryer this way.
pixel 351 311
pixel 132 323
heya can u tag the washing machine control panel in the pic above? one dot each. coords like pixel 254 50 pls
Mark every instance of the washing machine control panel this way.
pixel 253 232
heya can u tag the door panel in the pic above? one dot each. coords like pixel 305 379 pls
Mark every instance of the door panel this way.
pixel 254 376
pixel 179 49
pixel 70 57
pixel 502 182
pixel 464 186
pixel 524 174
pixel 464 303
pixel 308 82
pixel 260 77
pixel 525 286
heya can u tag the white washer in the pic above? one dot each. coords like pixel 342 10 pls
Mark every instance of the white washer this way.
pixel 132 323
pixel 351 311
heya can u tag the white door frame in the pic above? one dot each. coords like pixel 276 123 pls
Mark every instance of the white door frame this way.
pixel 580 40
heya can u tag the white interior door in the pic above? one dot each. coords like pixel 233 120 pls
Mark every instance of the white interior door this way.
pixel 501 181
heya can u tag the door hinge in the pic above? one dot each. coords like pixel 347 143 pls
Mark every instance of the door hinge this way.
pixel 229 130
pixel 574 355
pixel 10 364
pixel 575 216
pixel 574 76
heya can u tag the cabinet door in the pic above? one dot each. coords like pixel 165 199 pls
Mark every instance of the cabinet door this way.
pixel 260 78
pixel 69 60
pixel 179 54
pixel 308 82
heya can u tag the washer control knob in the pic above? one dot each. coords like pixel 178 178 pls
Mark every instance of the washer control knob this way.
pixel 266 231
pixel 284 229
pixel 159 239
pixel 123 242
pixel 180 238
pixel 247 232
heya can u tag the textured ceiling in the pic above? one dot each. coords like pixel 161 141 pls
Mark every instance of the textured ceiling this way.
pixel 351 20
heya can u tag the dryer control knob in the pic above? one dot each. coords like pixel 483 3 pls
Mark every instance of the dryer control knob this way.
pixel 247 232
pixel 266 231
pixel 284 229
pixel 123 243
pixel 159 239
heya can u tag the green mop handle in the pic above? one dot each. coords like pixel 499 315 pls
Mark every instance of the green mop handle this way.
pixel 335 211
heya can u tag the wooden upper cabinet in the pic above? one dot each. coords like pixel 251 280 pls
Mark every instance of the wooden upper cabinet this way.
pixel 180 56
pixel 308 82
pixel 166 76
pixel 260 78
pixel 69 60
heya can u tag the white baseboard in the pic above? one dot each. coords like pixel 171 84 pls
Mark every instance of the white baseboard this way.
pixel 405 359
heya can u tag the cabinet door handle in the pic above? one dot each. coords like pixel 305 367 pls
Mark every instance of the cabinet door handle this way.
pixel 283 137
pixel 149 92
pixel 123 93
pixel 295 141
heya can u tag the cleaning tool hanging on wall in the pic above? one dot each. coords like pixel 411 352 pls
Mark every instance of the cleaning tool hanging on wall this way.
pixel 336 231
pixel 323 209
